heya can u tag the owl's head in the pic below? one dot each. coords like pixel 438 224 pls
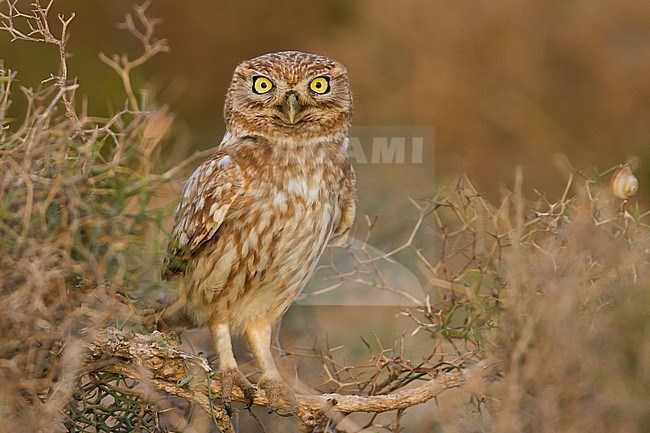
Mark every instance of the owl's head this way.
pixel 289 94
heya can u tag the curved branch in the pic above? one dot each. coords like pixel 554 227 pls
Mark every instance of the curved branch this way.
pixel 155 359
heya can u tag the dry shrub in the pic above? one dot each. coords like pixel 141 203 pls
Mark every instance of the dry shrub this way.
pixel 574 333
pixel 79 223
pixel 559 292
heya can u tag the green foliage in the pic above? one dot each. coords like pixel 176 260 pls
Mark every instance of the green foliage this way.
pixel 109 403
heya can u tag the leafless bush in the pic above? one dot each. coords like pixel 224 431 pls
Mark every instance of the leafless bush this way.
pixel 554 291
pixel 76 221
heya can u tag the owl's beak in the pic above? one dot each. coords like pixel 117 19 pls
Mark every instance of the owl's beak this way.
pixel 292 107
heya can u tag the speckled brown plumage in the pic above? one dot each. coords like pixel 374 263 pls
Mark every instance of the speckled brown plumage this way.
pixel 255 217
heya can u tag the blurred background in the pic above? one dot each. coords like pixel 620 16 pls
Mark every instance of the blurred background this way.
pixel 501 83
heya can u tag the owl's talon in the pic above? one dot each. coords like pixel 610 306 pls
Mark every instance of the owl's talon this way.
pixel 279 396
pixel 230 378
pixel 249 395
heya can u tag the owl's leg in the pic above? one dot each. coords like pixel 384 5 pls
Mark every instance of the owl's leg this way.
pixel 229 373
pixel 277 391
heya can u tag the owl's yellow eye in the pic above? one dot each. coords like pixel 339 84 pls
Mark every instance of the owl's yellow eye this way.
pixel 262 85
pixel 320 85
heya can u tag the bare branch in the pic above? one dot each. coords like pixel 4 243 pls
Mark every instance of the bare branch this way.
pixel 151 46
pixel 39 25
pixel 154 359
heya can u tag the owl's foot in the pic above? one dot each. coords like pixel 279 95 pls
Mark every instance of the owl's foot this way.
pixel 279 395
pixel 229 378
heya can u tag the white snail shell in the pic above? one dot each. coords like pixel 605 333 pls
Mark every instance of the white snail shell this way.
pixel 624 183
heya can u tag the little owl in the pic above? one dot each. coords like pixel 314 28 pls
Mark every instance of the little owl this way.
pixel 255 217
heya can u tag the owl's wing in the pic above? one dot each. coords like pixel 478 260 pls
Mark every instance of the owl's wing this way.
pixel 208 195
pixel 347 203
